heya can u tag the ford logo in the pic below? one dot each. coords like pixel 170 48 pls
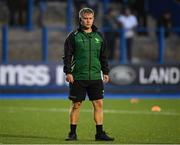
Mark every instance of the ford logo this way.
pixel 122 75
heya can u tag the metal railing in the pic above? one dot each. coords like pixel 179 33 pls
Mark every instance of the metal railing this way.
pixel 161 41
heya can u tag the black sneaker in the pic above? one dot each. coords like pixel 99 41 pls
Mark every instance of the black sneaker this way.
pixel 71 137
pixel 103 137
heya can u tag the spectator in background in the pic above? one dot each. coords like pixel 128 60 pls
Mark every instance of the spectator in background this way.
pixel 139 8
pixel 110 26
pixel 128 22
pixel 17 12
pixel 141 11
pixel 165 21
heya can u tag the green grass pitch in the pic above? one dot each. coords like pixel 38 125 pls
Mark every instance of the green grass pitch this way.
pixel 36 121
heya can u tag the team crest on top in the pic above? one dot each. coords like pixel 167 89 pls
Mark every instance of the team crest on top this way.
pixel 97 40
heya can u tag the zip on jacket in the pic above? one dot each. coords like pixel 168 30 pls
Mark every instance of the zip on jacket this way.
pixel 85 55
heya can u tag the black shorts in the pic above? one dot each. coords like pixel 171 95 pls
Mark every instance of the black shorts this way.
pixel 93 88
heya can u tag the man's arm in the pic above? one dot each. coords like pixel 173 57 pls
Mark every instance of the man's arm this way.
pixel 104 58
pixel 68 53
pixel 104 61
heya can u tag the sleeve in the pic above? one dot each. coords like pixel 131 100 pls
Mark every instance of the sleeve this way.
pixel 104 57
pixel 68 53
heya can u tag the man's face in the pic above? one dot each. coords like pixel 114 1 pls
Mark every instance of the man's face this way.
pixel 87 20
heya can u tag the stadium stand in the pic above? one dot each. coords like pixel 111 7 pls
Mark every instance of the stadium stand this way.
pixel 42 42
pixel 54 16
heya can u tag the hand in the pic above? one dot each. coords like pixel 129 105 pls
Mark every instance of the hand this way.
pixel 69 78
pixel 105 78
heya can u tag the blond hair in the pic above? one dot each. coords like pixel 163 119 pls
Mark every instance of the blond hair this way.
pixel 85 10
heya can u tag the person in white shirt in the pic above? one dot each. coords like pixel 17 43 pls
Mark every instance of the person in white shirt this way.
pixel 128 22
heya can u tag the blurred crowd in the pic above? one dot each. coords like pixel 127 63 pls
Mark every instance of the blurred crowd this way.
pixel 131 16
pixel 17 10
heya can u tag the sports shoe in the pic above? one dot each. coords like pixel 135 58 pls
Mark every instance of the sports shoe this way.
pixel 71 137
pixel 103 137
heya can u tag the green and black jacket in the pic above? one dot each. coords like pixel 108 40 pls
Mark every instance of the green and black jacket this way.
pixel 85 55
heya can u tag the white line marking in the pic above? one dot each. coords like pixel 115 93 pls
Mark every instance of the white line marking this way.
pixel 108 111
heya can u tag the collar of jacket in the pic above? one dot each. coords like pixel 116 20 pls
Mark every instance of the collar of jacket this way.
pixel 94 28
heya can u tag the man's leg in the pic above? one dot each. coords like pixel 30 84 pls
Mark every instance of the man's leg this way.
pixel 74 112
pixel 74 116
pixel 98 118
pixel 98 111
pixel 98 115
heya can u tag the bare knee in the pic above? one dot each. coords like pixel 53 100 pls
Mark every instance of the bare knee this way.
pixel 98 104
pixel 76 105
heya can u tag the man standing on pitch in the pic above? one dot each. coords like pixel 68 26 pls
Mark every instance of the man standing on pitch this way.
pixel 85 57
